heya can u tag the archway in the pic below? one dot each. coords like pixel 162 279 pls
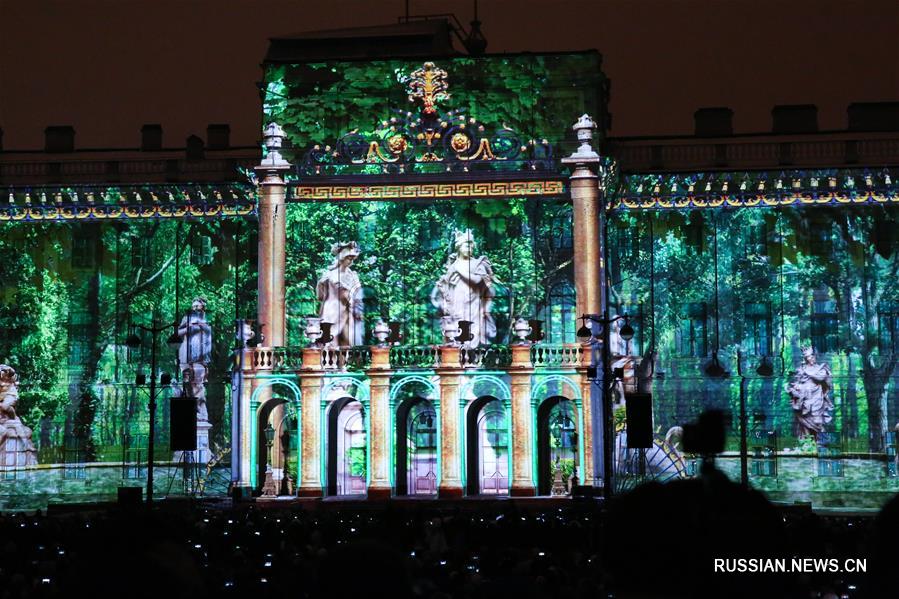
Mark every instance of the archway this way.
pixel 416 448
pixel 253 456
pixel 557 441
pixel 284 423
pixel 487 444
pixel 347 448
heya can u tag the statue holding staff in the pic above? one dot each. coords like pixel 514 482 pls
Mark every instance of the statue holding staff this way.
pixel 810 395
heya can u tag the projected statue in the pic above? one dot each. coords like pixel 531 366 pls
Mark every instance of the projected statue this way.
pixel 809 392
pixel 16 448
pixel 465 291
pixel 195 354
pixel 340 294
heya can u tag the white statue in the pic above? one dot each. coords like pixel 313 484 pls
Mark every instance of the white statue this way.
pixel 340 294
pixel 11 426
pixel 196 336
pixel 195 354
pixel 809 392
pixel 465 290
pixel 194 379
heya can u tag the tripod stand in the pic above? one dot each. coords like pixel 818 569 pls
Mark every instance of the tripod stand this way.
pixel 190 475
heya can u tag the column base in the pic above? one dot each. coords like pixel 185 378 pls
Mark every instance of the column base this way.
pixel 379 493
pixel 523 491
pixel 450 493
pixel 310 492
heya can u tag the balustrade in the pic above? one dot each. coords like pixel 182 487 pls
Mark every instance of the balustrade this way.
pixel 415 356
pixel 558 356
pixel 490 357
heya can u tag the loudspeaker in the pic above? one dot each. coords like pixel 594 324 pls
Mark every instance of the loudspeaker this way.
pixel 639 420
pixel 183 421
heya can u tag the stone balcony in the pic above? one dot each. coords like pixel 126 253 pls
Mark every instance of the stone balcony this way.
pixel 410 357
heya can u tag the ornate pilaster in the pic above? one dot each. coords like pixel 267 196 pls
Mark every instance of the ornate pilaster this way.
pixel 450 486
pixel 379 380
pixel 520 373
pixel 310 484
pixel 245 446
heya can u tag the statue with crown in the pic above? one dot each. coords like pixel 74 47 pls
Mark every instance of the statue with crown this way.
pixel 810 395
pixel 465 291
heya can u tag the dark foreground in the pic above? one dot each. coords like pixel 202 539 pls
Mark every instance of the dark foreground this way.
pixel 657 542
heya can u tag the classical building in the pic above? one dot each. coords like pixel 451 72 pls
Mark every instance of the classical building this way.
pixel 441 279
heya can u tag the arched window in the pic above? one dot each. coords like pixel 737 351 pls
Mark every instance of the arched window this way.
pixel 557 442
pixel 560 315
pixel 493 450
pixel 347 448
pixel 421 449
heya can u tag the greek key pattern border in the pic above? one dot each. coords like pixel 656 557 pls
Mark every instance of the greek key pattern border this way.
pixel 411 191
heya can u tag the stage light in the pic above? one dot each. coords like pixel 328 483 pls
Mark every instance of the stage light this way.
pixel 165 379
pixel 627 331
pixel 584 332
pixel 132 341
pixel 140 379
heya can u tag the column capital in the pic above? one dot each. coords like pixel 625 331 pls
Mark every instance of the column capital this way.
pixel 273 164
pixel 585 154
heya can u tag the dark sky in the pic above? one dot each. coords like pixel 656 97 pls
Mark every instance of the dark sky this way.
pixel 109 66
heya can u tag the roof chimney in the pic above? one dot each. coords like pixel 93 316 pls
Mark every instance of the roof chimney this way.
pixel 794 118
pixel 217 136
pixel 713 122
pixel 59 138
pixel 151 138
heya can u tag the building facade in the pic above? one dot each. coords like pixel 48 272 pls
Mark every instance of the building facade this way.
pixel 391 298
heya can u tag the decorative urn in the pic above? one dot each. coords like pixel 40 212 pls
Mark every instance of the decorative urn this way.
pixel 522 329
pixel 381 332
pixel 450 328
pixel 313 329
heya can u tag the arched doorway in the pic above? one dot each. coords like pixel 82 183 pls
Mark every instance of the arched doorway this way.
pixel 488 447
pixel 281 415
pixel 347 448
pixel 557 441
pixel 416 448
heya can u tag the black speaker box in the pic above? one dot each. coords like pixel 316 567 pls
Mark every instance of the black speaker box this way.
pixel 183 429
pixel 639 420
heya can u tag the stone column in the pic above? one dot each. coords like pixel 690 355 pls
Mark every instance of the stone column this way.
pixel 271 263
pixel 589 269
pixel 310 483
pixel 379 423
pixel 520 372
pixel 272 239
pixel 450 486
pixel 243 475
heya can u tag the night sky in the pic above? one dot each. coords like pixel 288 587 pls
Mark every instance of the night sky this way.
pixel 108 66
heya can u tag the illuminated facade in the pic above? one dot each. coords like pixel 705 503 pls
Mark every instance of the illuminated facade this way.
pixel 397 199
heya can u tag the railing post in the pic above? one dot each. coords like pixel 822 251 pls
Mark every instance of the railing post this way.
pixel 379 423
pixel 450 371
pixel 520 372
pixel 310 484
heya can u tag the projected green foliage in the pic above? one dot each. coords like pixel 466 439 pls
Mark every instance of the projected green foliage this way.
pixel 405 247
pixel 785 278
pixel 71 294
pixel 538 96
